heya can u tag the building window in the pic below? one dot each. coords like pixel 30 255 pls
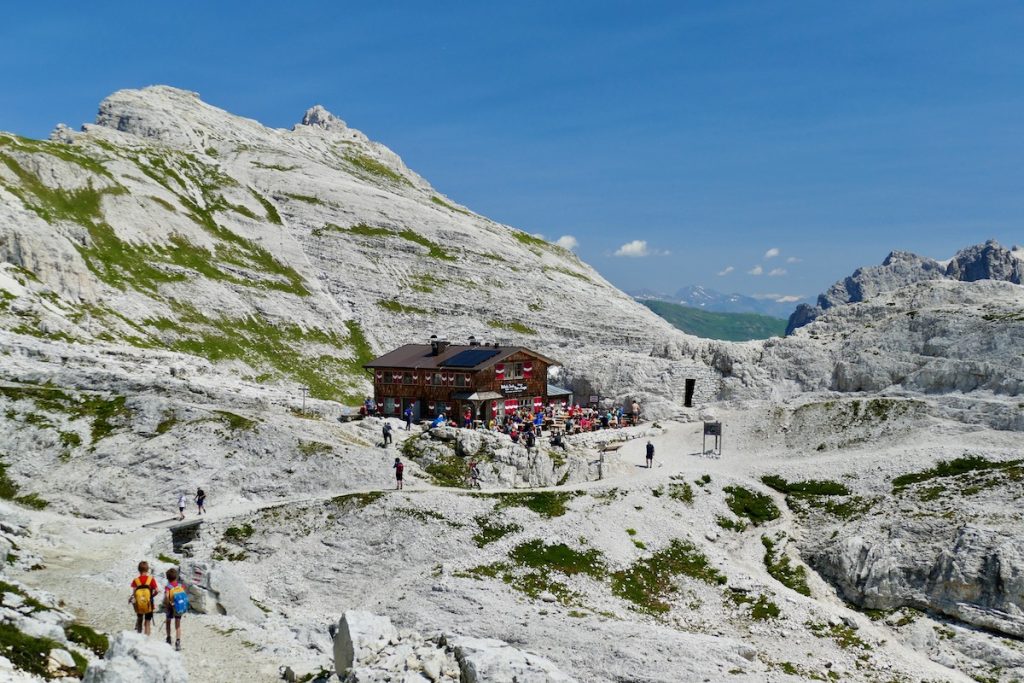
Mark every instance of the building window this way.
pixel 437 379
pixel 515 370
pixel 408 378
pixel 462 380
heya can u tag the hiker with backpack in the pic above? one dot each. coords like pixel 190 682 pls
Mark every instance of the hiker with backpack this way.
pixel 408 418
pixel 387 434
pixel 650 454
pixel 144 590
pixel 201 501
pixel 399 470
pixel 175 606
pixel 181 505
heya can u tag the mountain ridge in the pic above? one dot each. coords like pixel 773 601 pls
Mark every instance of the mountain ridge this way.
pixel 183 227
pixel 698 296
pixel 987 261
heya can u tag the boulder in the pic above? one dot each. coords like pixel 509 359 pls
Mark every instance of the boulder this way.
pixel 487 660
pixel 134 658
pixel 233 595
pixel 358 633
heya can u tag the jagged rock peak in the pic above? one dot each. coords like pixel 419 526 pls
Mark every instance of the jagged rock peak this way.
pixel 988 261
pixel 319 117
pixel 174 116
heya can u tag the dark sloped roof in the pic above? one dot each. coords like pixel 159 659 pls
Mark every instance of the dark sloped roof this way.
pixel 418 357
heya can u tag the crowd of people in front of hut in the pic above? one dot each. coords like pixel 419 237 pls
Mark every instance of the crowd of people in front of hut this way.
pixel 526 426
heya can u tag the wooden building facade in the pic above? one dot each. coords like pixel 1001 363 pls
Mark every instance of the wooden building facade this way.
pixel 487 381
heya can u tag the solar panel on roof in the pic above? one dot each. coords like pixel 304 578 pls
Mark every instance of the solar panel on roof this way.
pixel 471 358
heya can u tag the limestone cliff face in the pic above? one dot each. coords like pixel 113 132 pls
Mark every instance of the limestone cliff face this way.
pixel 288 256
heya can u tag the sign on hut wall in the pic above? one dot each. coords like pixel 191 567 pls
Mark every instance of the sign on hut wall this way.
pixel 513 388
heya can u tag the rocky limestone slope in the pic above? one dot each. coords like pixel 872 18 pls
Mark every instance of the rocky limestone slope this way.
pixel 962 342
pixel 988 261
pixel 283 256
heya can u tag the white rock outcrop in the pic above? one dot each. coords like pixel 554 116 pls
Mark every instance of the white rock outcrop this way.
pixel 487 660
pixel 134 658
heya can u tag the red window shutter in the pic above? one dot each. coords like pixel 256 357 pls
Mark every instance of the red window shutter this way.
pixel 499 370
pixel 527 370
pixel 380 375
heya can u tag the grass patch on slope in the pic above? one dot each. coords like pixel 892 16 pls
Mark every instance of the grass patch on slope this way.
pixel 440 202
pixel 376 168
pixel 559 557
pixel 491 530
pixel 32 655
pixel 88 638
pixel 782 570
pixel 757 507
pixel 810 487
pixel 434 250
pixel 105 414
pixel 393 306
pixel 648 583
pixel 144 267
pixel 281 347
pixel 514 326
pixel 954 468
pixel 715 325
pixel 544 503
pixel 821 494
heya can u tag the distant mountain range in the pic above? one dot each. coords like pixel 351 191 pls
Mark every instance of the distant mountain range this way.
pixel 715 325
pixel 696 296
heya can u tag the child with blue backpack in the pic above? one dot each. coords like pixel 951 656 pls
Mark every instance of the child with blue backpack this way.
pixel 176 605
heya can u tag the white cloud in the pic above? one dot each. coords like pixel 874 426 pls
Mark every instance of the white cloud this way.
pixel 771 253
pixel 775 272
pixel 567 242
pixel 634 249
pixel 776 297
pixel 756 270
pixel 793 259
pixel 787 299
pixel 726 271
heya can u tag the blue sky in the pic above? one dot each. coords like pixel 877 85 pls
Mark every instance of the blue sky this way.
pixel 711 132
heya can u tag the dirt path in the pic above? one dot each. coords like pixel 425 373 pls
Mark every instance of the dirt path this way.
pixel 85 561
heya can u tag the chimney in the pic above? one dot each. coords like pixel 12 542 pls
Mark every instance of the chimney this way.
pixel 437 345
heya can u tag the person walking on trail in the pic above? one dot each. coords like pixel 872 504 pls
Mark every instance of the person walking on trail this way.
pixel 201 501
pixel 181 505
pixel 650 454
pixel 143 599
pixel 636 413
pixel 474 474
pixel 399 470
pixel 387 434
pixel 408 418
pixel 175 606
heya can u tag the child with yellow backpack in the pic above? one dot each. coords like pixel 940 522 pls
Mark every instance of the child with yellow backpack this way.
pixel 144 590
